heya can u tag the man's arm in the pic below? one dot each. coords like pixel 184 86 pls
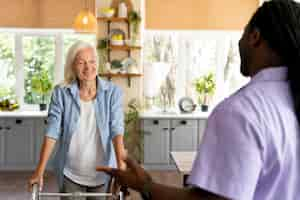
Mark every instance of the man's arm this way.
pixel 159 192
pixel 137 178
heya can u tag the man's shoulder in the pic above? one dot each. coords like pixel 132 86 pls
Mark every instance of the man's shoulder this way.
pixel 244 102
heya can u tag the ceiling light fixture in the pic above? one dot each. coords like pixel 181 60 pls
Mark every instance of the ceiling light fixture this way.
pixel 85 21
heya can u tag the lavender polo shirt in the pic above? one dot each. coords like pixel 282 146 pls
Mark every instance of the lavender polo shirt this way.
pixel 250 148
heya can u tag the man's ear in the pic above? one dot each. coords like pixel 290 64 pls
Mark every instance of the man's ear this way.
pixel 255 38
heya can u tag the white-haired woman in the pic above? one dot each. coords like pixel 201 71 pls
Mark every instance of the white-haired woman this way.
pixel 86 116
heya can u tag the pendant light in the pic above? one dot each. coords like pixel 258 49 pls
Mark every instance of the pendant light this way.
pixel 85 21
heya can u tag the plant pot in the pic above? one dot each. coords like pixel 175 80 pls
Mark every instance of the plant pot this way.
pixel 43 107
pixel 204 108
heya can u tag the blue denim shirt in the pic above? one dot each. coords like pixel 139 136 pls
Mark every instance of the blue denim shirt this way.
pixel 63 120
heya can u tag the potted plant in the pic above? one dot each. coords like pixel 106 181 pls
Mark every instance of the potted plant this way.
pixel 42 85
pixel 134 20
pixel 205 87
pixel 132 134
pixel 102 48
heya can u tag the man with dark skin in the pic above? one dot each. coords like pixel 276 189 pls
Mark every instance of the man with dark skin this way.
pixel 251 143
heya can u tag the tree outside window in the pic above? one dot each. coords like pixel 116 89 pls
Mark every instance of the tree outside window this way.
pixel 39 56
pixel 8 65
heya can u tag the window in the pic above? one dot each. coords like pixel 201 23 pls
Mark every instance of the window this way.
pixel 173 60
pixel 8 65
pixel 26 52
pixel 39 54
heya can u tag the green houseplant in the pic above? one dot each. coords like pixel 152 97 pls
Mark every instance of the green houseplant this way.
pixel 102 48
pixel 132 134
pixel 42 85
pixel 134 20
pixel 205 87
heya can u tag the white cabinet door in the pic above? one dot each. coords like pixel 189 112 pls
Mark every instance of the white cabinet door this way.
pixel 18 144
pixel 156 141
pixel 184 136
pixel 201 128
pixel 1 143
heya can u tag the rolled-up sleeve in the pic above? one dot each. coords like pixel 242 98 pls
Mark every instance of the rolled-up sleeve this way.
pixel 229 159
pixel 116 113
pixel 53 129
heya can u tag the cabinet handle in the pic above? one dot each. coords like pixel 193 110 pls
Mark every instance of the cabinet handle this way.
pixel 155 122
pixel 19 121
pixel 173 129
pixel 1 127
pixel 183 122
pixel 45 121
pixel 165 129
pixel 8 128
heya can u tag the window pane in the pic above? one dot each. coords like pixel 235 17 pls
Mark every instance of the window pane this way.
pixel 39 58
pixel 70 39
pixel 8 65
pixel 233 80
pixel 200 60
pixel 160 57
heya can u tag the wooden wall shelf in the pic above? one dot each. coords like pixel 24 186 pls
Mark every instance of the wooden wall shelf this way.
pixel 109 76
pixel 123 47
pixel 113 19
pixel 111 48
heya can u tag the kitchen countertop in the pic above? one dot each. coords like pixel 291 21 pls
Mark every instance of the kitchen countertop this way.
pixel 143 115
pixel 174 115
pixel 23 113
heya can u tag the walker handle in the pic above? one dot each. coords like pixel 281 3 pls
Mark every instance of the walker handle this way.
pixel 35 192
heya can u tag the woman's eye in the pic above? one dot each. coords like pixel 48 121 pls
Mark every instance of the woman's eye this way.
pixel 80 63
pixel 92 62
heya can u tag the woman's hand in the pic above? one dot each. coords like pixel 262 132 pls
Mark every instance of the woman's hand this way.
pixel 122 165
pixel 36 178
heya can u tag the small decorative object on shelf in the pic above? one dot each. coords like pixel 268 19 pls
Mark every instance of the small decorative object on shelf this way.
pixel 116 66
pixel 130 65
pixel 107 12
pixel 117 37
pixel 122 10
pixel 205 87
pixel 134 20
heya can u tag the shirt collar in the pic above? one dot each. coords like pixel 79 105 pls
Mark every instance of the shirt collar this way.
pixel 101 85
pixel 279 73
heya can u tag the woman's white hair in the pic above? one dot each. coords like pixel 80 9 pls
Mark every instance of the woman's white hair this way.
pixel 69 74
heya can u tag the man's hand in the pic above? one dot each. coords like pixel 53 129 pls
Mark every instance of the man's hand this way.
pixel 134 176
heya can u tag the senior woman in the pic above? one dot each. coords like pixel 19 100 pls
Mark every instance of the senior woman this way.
pixel 86 117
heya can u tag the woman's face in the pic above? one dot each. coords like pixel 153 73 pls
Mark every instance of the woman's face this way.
pixel 85 65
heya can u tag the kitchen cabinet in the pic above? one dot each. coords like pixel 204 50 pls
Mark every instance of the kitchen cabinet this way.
pixel 184 135
pixel 156 141
pixel 164 135
pixel 18 144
